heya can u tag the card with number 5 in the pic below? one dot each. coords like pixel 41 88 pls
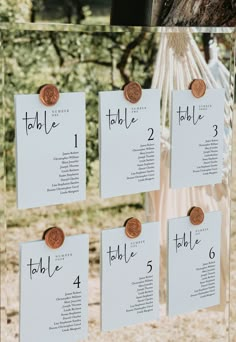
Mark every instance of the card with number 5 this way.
pixel 129 277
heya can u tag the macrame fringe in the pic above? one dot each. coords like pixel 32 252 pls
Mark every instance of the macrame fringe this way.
pixel 178 62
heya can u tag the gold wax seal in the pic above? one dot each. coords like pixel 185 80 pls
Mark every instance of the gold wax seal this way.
pixel 54 237
pixel 196 216
pixel 133 92
pixel 49 95
pixel 198 88
pixel 133 228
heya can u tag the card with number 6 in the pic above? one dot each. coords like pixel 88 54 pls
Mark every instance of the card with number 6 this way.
pixel 193 264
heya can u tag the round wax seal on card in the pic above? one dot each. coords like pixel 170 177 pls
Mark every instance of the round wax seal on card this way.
pixel 133 92
pixel 54 237
pixel 133 228
pixel 198 88
pixel 49 95
pixel 196 216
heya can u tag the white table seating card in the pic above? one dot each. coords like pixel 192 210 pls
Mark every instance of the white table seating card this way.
pixel 54 291
pixel 193 280
pixel 197 135
pixel 129 277
pixel 129 143
pixel 50 150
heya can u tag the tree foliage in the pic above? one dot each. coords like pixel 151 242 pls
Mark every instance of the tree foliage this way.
pixel 15 10
pixel 74 62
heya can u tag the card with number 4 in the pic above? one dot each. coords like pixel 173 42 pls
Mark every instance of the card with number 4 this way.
pixel 54 291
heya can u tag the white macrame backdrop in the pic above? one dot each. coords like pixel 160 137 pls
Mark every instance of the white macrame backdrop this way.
pixel 178 62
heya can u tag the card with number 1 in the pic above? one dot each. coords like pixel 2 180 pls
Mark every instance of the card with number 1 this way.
pixel 50 150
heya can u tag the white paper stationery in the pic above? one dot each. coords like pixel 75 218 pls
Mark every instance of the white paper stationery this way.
pixel 50 150
pixel 54 291
pixel 193 264
pixel 129 143
pixel 197 138
pixel 129 277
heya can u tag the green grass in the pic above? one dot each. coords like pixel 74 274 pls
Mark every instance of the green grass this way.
pixel 97 20
pixel 90 214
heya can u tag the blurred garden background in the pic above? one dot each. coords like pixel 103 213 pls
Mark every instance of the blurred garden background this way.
pixel 89 61
pixel 62 11
pixel 162 13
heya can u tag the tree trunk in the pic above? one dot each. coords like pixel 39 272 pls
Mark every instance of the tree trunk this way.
pixel 33 11
pixel 79 12
pixel 156 11
pixel 68 13
pixel 206 38
pixel 32 15
pixel 195 13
